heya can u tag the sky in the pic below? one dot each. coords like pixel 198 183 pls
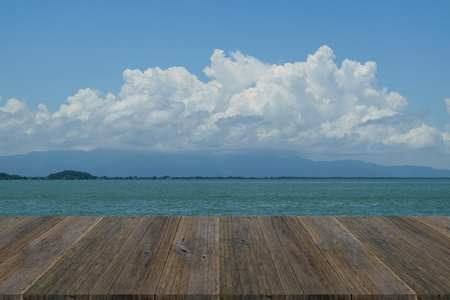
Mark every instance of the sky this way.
pixel 325 80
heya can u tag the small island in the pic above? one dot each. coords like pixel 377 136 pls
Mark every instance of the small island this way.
pixel 76 175
pixel 71 175
pixel 64 175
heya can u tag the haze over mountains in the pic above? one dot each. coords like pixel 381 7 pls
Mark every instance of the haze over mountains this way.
pixel 246 164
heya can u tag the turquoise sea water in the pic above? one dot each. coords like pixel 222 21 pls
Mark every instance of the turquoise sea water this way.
pixel 215 197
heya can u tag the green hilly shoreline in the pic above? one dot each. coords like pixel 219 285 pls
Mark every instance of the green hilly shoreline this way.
pixel 69 175
pixel 77 175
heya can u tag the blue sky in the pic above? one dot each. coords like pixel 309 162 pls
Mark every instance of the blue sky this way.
pixel 50 50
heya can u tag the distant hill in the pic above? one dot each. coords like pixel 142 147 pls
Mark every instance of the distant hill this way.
pixel 249 164
pixel 71 175
pixel 64 175
pixel 4 176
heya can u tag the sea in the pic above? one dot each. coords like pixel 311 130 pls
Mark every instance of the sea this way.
pixel 227 197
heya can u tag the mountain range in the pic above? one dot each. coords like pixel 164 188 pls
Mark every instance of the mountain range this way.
pixel 122 163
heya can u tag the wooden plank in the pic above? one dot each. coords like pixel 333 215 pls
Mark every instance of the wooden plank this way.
pixel 432 243
pixel 6 221
pixel 286 261
pixel 109 277
pixel 302 268
pixel 24 267
pixel 426 277
pixel 73 276
pixel 17 225
pixel 192 268
pixel 224 257
pixel 19 232
pixel 247 270
pixel 441 224
pixel 13 229
pixel 365 276
pixel 136 269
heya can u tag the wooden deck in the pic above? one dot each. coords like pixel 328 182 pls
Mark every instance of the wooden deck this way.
pixel 225 258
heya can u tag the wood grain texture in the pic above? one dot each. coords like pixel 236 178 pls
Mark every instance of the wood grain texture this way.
pixel 192 268
pixel 18 232
pixel 427 278
pixel 441 224
pixel 136 269
pixel 431 242
pixel 247 270
pixel 161 258
pixel 301 266
pixel 108 279
pixel 365 276
pixel 24 267
pixel 77 272
pixel 6 222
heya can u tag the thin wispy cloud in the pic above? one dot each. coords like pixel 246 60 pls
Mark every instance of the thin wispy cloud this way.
pixel 314 106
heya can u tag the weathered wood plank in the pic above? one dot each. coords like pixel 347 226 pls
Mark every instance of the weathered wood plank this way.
pixel 302 268
pixel 8 225
pixel 192 268
pixel 247 270
pixel 6 221
pixel 286 261
pixel 441 224
pixel 73 276
pixel 431 242
pixel 224 257
pixel 425 276
pixel 365 276
pixel 25 266
pixel 18 232
pixel 136 269
pixel 109 277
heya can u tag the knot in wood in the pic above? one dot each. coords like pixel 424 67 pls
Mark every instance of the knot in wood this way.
pixel 146 254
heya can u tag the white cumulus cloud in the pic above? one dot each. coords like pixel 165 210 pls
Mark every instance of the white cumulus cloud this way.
pixel 311 107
